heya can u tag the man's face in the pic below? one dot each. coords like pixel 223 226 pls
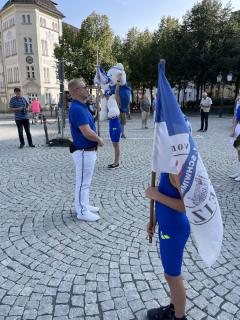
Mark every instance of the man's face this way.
pixel 18 94
pixel 90 99
pixel 81 91
pixel 204 96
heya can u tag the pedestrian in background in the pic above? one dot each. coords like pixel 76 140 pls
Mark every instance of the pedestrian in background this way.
pixel 19 105
pixel 205 106
pixel 92 108
pixel 145 109
pixel 36 109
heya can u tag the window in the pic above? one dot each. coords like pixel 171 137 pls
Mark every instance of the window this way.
pixel 48 98
pixel 7 49
pixel 44 47
pixel 28 45
pixel 2 82
pixel 32 96
pixel 33 72
pixel 15 74
pixel 13 47
pixel 12 21
pixel 10 75
pixel 28 73
pixel 54 26
pixel 26 19
pixel 5 25
pixel 46 75
pixel 42 22
pixel 10 48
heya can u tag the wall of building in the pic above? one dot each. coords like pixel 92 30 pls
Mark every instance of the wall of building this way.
pixel 28 37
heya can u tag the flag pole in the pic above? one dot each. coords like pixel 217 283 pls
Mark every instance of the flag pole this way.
pixel 152 217
pixel 98 98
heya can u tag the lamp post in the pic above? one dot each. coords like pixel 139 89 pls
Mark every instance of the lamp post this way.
pixel 220 82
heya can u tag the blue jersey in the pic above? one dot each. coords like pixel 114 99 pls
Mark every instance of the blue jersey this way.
pixel 124 95
pixel 79 116
pixel 174 229
pixel 20 102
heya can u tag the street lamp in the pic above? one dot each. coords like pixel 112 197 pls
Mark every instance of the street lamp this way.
pixel 220 81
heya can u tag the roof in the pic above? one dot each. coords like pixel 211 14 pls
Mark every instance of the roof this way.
pixel 74 29
pixel 45 4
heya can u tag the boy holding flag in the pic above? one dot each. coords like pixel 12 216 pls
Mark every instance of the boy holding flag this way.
pixel 184 196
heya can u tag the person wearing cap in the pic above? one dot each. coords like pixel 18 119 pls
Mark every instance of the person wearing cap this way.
pixel 205 106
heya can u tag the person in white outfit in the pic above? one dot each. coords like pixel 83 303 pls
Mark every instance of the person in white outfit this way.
pixel 205 106
pixel 83 148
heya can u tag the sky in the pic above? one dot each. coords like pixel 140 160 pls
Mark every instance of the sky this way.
pixel 124 14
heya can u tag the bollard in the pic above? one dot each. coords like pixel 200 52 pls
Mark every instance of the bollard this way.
pixel 45 128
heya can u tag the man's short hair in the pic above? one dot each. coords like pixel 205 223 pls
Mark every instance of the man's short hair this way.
pixel 205 94
pixel 74 83
pixel 17 90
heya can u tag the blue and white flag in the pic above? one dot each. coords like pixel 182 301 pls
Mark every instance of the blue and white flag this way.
pixel 101 77
pixel 174 151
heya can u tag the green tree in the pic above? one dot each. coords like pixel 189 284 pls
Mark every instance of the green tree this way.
pixel 69 49
pixel 166 42
pixel 117 49
pixel 205 30
pixel 95 35
pixel 79 48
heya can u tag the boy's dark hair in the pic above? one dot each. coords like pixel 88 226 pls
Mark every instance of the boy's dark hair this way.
pixel 17 90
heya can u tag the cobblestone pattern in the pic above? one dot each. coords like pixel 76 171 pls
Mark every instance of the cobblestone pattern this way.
pixel 53 266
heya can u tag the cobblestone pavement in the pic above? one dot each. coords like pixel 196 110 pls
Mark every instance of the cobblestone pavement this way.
pixel 53 266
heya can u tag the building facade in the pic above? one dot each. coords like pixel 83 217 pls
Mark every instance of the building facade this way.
pixel 29 32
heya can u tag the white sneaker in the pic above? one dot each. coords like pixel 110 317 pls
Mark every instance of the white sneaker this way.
pixel 238 178
pixel 93 209
pixel 235 175
pixel 88 216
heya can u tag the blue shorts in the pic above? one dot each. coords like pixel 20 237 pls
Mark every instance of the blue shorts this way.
pixel 115 129
pixel 174 230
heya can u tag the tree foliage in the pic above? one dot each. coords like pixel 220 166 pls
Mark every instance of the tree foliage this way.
pixel 79 49
pixel 205 43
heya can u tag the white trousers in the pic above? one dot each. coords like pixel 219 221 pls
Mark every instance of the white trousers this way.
pixel 84 164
